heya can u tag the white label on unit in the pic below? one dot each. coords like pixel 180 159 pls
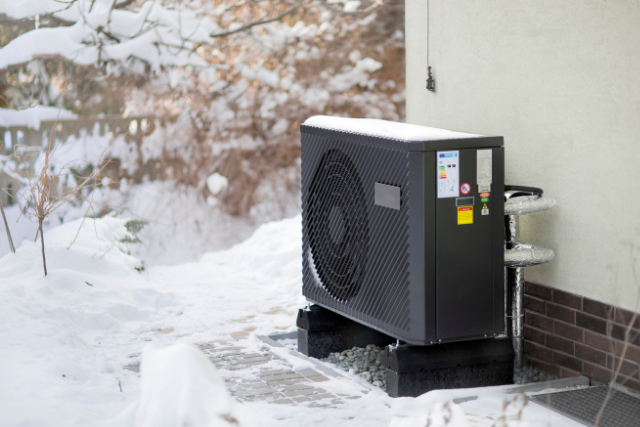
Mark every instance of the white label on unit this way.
pixel 484 168
pixel 448 174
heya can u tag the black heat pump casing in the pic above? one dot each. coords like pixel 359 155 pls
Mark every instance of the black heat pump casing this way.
pixel 412 273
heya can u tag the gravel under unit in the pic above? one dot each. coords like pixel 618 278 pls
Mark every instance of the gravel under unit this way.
pixel 532 375
pixel 367 363
pixel 364 362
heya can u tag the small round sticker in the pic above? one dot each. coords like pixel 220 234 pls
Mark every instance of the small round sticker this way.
pixel 465 188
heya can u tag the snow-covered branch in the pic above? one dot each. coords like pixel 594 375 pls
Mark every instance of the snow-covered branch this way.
pixel 102 30
pixel 89 32
pixel 261 21
pixel 261 68
pixel 351 7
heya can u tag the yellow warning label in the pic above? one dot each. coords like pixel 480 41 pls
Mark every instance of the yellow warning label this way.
pixel 465 215
pixel 485 206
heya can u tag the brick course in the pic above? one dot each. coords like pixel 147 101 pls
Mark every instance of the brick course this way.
pixel 567 335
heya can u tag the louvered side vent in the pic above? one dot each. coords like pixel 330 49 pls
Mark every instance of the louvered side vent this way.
pixel 356 253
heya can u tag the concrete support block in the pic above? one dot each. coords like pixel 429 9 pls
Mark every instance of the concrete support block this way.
pixel 415 370
pixel 321 331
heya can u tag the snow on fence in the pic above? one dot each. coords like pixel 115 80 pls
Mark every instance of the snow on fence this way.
pixel 23 139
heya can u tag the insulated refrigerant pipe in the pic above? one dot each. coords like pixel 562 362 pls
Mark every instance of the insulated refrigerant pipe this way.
pixel 515 285
pixel 519 255
pixel 521 205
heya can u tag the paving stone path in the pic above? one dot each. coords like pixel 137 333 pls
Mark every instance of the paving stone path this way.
pixel 273 386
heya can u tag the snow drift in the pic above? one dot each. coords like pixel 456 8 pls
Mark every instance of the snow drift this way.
pixel 67 338
pixel 179 387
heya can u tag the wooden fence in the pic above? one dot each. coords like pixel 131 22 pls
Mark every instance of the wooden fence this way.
pixel 24 144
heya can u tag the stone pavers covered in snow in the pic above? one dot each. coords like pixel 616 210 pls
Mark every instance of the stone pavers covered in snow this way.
pixel 281 386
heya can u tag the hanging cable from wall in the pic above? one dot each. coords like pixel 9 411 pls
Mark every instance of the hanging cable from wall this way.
pixel 431 83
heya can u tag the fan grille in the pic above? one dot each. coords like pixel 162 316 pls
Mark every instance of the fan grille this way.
pixel 338 226
pixel 376 292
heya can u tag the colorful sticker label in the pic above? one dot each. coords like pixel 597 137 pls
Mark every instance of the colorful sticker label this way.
pixel 485 194
pixel 465 215
pixel 448 174
pixel 485 209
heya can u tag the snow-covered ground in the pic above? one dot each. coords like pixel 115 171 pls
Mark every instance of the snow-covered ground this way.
pixel 67 337
pixel 181 226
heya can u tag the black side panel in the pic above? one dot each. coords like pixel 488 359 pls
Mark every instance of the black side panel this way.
pixel 356 254
pixel 430 244
pixel 497 204
pixel 422 247
pixel 464 271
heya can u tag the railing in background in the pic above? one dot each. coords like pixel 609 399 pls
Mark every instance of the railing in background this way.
pixel 24 144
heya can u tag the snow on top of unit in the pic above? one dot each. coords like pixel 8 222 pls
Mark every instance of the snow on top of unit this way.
pixel 32 117
pixel 386 129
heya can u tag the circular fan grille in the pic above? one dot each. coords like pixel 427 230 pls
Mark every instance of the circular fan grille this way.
pixel 338 225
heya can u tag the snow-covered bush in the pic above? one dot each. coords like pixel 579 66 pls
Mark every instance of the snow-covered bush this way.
pixel 242 122
pixel 227 82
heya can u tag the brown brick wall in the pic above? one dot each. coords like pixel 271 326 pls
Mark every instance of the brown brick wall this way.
pixel 568 335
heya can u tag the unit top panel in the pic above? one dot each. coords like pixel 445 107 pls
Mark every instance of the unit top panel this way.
pixel 396 135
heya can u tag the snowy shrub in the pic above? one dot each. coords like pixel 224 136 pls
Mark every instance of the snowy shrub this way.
pixel 242 122
pixel 227 82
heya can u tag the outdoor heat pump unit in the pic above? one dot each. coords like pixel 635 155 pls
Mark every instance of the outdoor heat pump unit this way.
pixel 403 228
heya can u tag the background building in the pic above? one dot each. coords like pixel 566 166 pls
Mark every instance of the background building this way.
pixel 559 81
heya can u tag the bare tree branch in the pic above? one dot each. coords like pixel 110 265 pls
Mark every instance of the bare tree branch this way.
pixel 378 4
pixel 26 22
pixel 124 4
pixel 262 21
pixel 31 104
pixel 44 258
pixel 45 21
pixel 6 226
pixel 627 341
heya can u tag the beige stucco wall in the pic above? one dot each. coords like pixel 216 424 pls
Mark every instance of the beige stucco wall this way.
pixel 560 80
